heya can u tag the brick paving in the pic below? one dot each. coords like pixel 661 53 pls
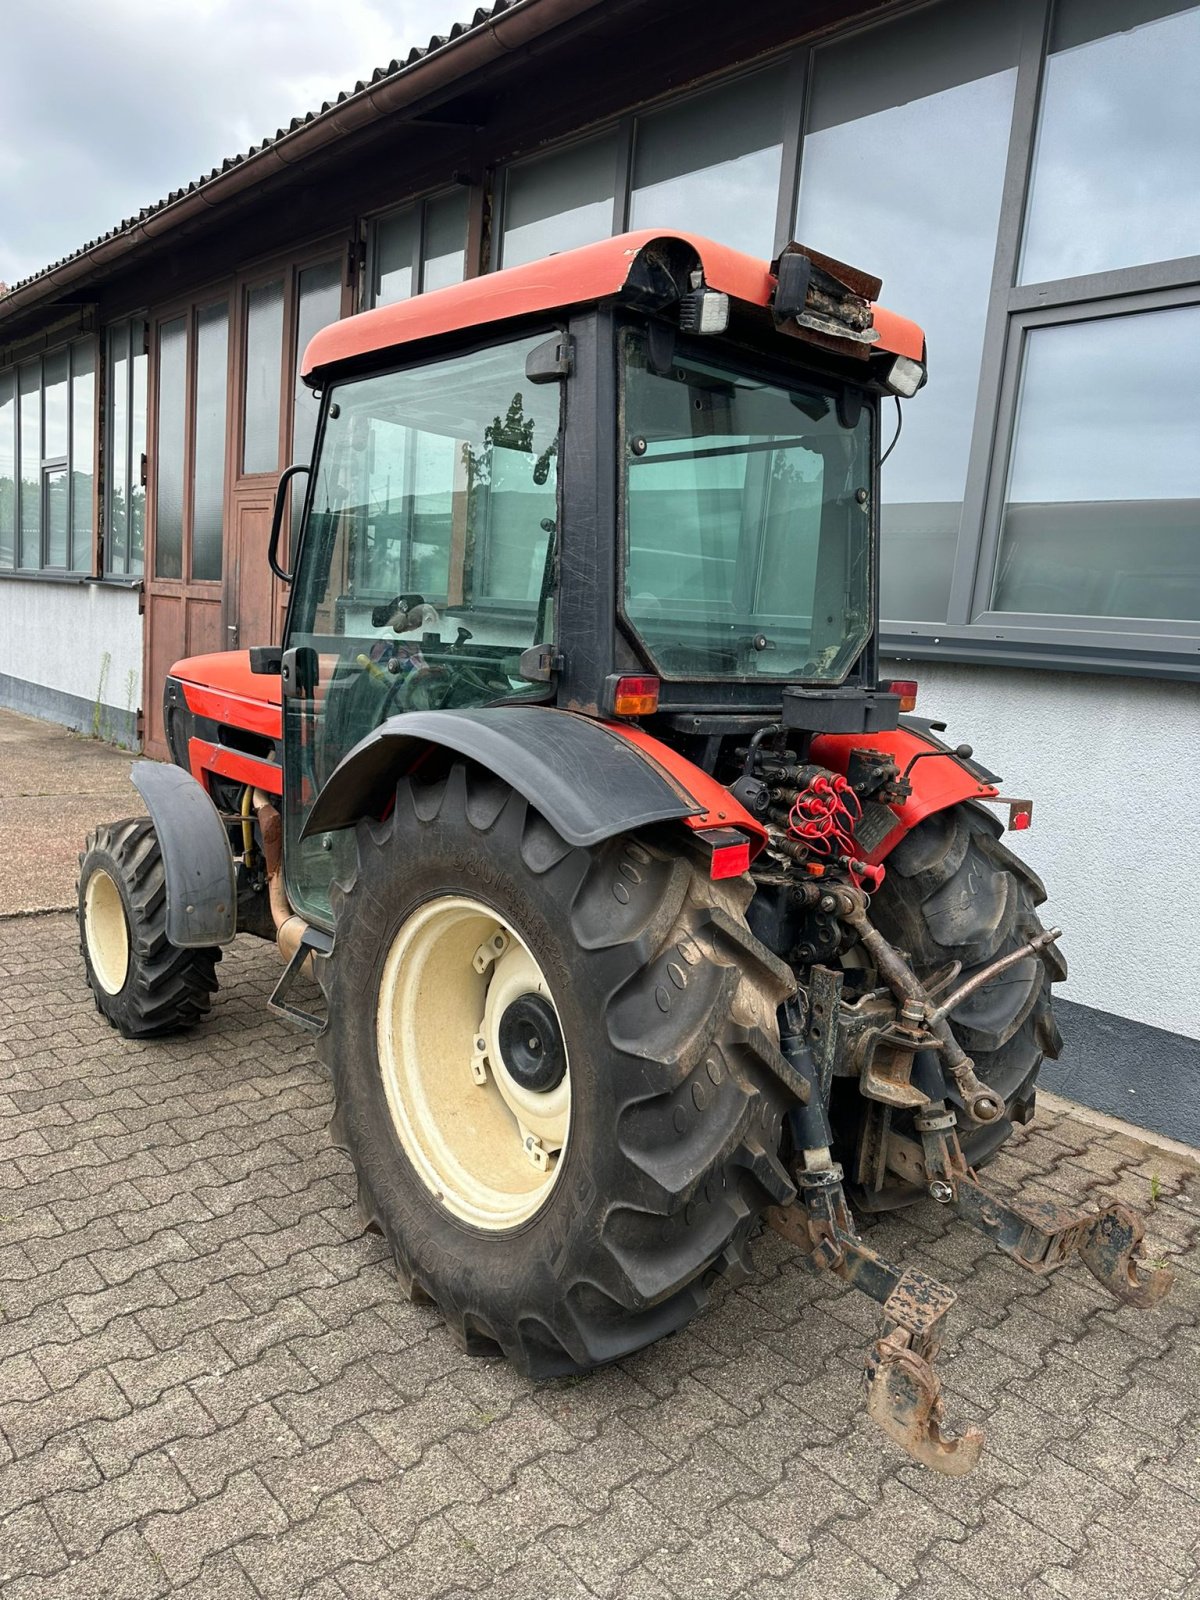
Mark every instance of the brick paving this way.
pixel 210 1386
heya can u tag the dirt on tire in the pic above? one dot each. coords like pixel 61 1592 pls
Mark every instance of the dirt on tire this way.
pixel 668 1007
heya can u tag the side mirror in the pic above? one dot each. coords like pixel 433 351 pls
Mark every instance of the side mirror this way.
pixel 285 477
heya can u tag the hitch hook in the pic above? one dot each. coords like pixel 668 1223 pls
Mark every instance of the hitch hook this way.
pixel 1110 1252
pixel 904 1400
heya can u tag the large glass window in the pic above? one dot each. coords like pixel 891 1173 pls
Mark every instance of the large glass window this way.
pixel 747 523
pixel 30 423
pixel 422 247
pixel 444 257
pixel 8 467
pixel 1103 506
pixel 1116 178
pixel 172 440
pixel 125 476
pixel 319 302
pixel 83 452
pixel 208 472
pixel 47 462
pixel 710 165
pixel 902 173
pixel 263 368
pixel 428 562
pixel 56 411
pixel 558 201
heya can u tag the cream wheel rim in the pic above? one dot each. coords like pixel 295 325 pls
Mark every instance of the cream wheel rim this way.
pixel 474 1067
pixel 106 931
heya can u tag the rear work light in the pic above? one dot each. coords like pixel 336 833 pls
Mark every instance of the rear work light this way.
pixel 906 688
pixel 905 377
pixel 635 697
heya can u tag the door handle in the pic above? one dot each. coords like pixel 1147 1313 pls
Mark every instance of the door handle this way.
pixel 231 628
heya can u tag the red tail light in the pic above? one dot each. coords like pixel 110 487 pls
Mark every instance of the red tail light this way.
pixel 906 688
pixel 635 697
pixel 729 852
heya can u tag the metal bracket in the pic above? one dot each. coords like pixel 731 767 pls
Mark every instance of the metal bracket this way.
pixel 312 943
pixel 904 1394
pixel 1041 1235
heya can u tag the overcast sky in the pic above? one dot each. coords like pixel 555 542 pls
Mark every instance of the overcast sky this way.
pixel 107 106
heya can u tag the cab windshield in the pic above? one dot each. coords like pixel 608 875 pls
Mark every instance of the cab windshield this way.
pixel 747 519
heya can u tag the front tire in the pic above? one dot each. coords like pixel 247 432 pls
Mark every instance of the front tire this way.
pixel 143 984
pixel 670 1069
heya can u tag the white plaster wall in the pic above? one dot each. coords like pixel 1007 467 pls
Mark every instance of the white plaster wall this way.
pixel 58 635
pixel 1113 767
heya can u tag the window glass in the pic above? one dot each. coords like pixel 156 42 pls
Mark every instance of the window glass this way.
pixel 427 566
pixel 56 491
pixel 395 255
pixel 445 240
pixel 264 357
pixel 55 376
pixel 319 299
pixel 320 303
pixel 902 173
pixel 711 164
pixel 172 394
pixel 83 414
pixel 1116 176
pixel 747 548
pixel 208 478
pixel 139 373
pixel 8 467
pixel 116 541
pixel 559 201
pixel 31 464
pixel 1103 506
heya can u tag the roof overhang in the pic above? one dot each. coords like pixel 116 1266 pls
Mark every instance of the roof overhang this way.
pixel 576 277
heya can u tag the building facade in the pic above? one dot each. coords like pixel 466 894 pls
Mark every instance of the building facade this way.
pixel 1023 174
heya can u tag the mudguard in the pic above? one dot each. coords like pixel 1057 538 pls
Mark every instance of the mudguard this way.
pixel 197 859
pixel 591 780
pixel 941 778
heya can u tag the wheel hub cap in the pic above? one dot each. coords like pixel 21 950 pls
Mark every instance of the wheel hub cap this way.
pixel 531 1044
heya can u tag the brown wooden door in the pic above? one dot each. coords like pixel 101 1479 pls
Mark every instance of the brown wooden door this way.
pixel 280 307
pixel 185 493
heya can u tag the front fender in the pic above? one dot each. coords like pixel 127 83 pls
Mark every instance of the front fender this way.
pixel 590 780
pixel 197 859
pixel 939 780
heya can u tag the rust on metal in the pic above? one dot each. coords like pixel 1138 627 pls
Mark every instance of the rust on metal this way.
pixel 904 1400
pixel 1111 1253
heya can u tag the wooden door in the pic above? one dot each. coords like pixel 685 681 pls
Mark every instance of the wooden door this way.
pixel 185 493
pixel 280 307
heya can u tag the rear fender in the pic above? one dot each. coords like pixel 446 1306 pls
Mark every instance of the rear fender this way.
pixel 939 780
pixel 591 780
pixel 197 859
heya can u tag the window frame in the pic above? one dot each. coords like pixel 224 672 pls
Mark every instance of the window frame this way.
pixel 970 633
pixel 104 565
pixel 417 204
pixel 80 564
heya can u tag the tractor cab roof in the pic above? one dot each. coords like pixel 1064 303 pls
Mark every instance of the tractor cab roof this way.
pixel 576 277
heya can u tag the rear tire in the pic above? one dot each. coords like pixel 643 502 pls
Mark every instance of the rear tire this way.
pixel 143 984
pixel 955 892
pixel 667 1009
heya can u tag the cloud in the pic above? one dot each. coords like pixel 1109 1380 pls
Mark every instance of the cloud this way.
pixel 106 109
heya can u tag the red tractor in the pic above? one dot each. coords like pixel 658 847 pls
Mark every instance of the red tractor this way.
pixel 643 912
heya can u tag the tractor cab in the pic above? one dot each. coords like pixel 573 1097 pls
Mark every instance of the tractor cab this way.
pixel 634 481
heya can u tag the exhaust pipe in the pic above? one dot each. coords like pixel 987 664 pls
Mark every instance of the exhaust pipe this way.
pixel 290 927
